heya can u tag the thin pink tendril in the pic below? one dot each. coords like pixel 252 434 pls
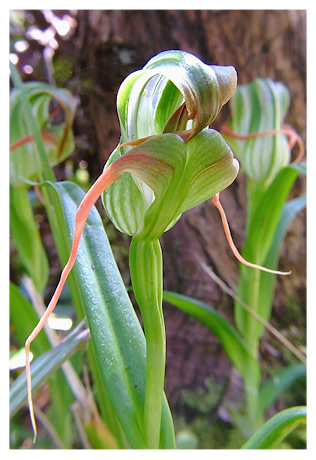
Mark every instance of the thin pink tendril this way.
pixel 229 238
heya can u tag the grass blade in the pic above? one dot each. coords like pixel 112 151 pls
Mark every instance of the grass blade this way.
pixel 261 232
pixel 278 383
pixel 231 341
pixel 276 429
pixel 27 238
pixel 24 319
pixel 266 217
pixel 267 281
pixel 45 365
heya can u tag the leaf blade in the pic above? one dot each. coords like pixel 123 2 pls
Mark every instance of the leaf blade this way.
pixel 45 365
pixel 27 238
pixel 279 382
pixel 267 281
pixel 276 429
pixel 262 228
pixel 24 319
pixel 116 333
pixel 233 344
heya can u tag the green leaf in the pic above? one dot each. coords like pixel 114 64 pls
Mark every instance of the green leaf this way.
pixel 278 383
pixel 27 238
pixel 267 281
pixel 45 365
pixel 24 319
pixel 267 216
pixel 289 211
pixel 231 341
pixel 115 330
pixel 301 168
pixel 270 435
pixel 261 233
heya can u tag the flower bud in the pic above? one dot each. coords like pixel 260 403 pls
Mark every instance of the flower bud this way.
pixel 260 107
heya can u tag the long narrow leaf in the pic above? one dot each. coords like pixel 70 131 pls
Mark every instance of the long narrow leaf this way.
pixel 278 383
pixel 262 228
pixel 231 341
pixel 27 238
pixel 116 333
pixel 24 319
pixel 267 281
pixel 276 429
pixel 45 365
pixel 267 215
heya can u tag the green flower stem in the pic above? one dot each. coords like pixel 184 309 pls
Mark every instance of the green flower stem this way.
pixel 253 300
pixel 147 281
pixel 255 193
pixel 252 384
pixel 251 280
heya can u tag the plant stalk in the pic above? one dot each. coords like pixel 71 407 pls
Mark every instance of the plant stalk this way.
pixel 147 281
pixel 251 279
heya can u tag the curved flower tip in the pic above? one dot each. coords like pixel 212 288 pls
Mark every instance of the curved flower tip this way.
pixel 174 92
pixel 227 82
pixel 232 246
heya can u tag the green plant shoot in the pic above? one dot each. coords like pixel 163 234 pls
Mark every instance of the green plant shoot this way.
pixel 262 142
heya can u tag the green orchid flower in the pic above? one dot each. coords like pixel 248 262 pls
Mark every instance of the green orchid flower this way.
pixel 167 162
pixel 164 111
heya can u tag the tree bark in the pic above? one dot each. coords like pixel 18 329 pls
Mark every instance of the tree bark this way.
pixel 107 47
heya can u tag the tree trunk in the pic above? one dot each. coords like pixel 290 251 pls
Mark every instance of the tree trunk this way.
pixel 107 47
